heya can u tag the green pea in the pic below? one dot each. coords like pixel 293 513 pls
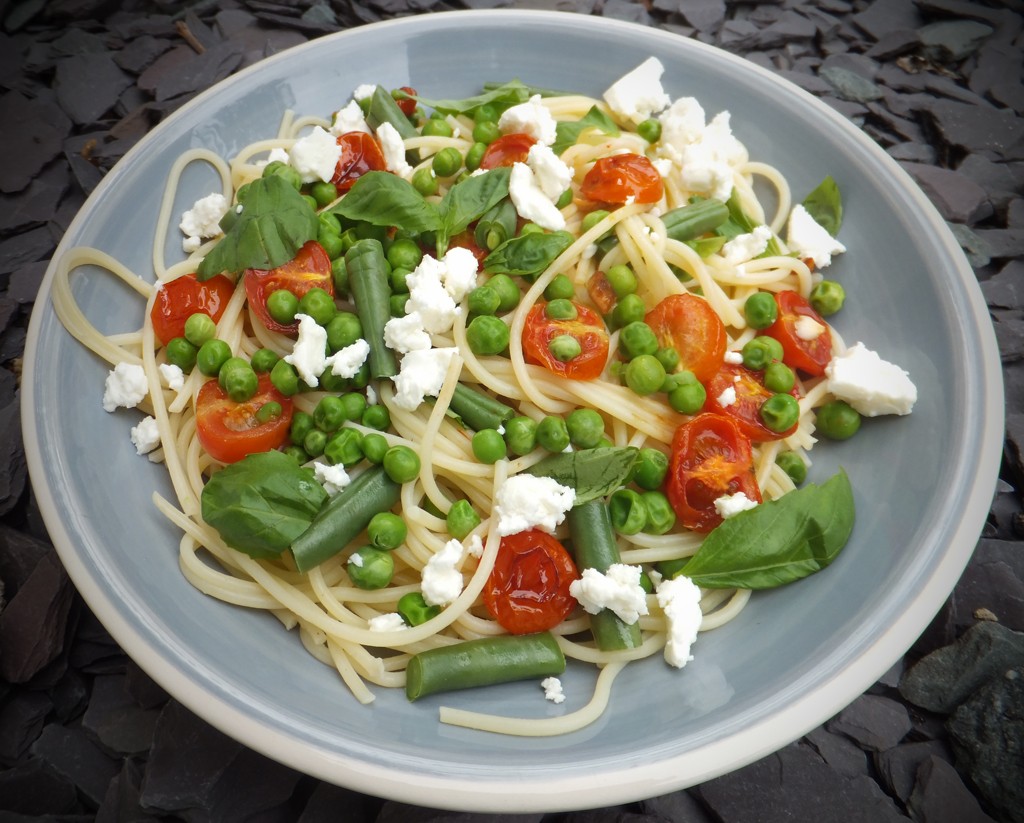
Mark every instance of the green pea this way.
pixel 688 398
pixel 297 453
pixel 404 254
pixel 508 292
pixel 644 374
pixel 592 219
pixel 361 377
pixel 271 410
pixel 279 169
pixel 370 568
pixel 561 309
pixel 211 356
pixel 386 530
pixel 414 609
pixel 241 383
pixel 263 360
pixel 284 378
pixel 319 305
pixel 483 300
pixel 638 338
pixel 353 405
pixel 307 197
pixel 827 297
pixel 486 113
pixel 282 306
pixel 324 193
pixel 758 353
pixel 585 427
pixel 793 465
pixel 399 278
pixel 668 356
pixel 375 446
pixel 302 424
pixel 486 132
pixel 780 412
pixel 560 288
pixel 339 273
pixel 622 280
pixel 435 127
pixel 486 335
pixel 628 309
pixel 564 347
pixel 650 468
pixel 446 162
pixel 329 413
pixel 200 327
pixel 661 517
pixel 315 442
pixel 650 130
pixel 760 310
pixel 779 377
pixel 331 382
pixel 424 181
pixel 461 519
pixel 343 329
pixel 376 417
pixel 397 304
pixel 331 243
pixel 552 433
pixel 475 156
pixel 837 420
pixel 401 464
pixel 531 228
pixel 181 353
pixel 521 435
pixel 564 199
pixel 489 446
pixel 628 512
pixel 228 365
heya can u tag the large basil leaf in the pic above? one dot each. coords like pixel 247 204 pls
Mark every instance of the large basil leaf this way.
pixel 593 473
pixel 825 205
pixel 528 253
pixel 385 199
pixel 779 541
pixel 470 200
pixel 274 223
pixel 567 133
pixel 507 94
pixel 260 504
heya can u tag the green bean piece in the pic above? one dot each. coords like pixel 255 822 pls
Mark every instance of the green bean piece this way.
pixel 368 281
pixel 695 219
pixel 489 446
pixel 181 353
pixel 200 327
pixel 374 447
pixel 384 109
pixel 319 305
pixel 650 468
pixel 479 410
pixel 508 292
pixel 386 530
pixel 627 511
pixel 793 465
pixel 837 420
pixel 344 447
pixel 661 517
pixel 552 433
pixel 487 335
pixel 344 517
pixel 594 546
pixel 401 463
pixel 760 310
pixel 585 427
pixel 483 662
pixel 211 356
pixel 564 199
pixel 370 568
pixel 461 519
pixel 497 225
pixel 827 297
pixel 521 435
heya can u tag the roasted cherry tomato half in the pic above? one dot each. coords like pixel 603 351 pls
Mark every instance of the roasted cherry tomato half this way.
pixel 620 177
pixel 710 458
pixel 406 104
pixel 802 347
pixel 229 430
pixel 310 268
pixel 360 153
pixel 745 410
pixel 587 328
pixel 180 298
pixel 507 150
pixel 528 590
pixel 602 292
pixel 688 324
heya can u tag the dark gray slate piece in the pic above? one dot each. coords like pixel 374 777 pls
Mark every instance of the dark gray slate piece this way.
pixel 941 795
pixel 679 807
pixel 883 16
pixel 875 722
pixel 33 788
pixel 703 15
pixel 950 41
pixel 838 751
pixel 994 578
pixel 976 128
pixel 72 754
pixel 897 767
pixel 958 198
pixel 1002 181
pixel 1009 329
pixel 1003 243
pixel 88 86
pixel 34 131
pixel 326 800
pixel 395 812
pixel 121 802
pixel 894 44
pixel 13 470
pixel 118 723
pixel 181 70
pixel 987 735
pixel 21 720
pixel 850 85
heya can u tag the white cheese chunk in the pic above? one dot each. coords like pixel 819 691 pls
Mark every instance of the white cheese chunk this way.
pixel 392 146
pixel 807 328
pixel 173 376
pixel 442 581
pixel 349 118
pixel 389 622
pixel 202 221
pixel 532 118
pixel 553 689
pixel 527 502
pixel 530 200
pixel 309 352
pixel 747 246
pixel 145 436
pixel 638 94
pixel 679 599
pixel 125 387
pixel 730 504
pixel 808 238
pixel 332 478
pixel 734 357
pixel 346 362
pixel 727 397
pixel 460 272
pixel 421 375
pixel 406 333
pixel 617 589
pixel 428 296
pixel 552 175
pixel 871 385
pixel 315 156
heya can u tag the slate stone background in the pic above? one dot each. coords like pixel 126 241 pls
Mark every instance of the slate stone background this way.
pixel 85 735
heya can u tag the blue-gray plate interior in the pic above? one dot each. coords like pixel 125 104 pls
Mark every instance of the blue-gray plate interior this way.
pixel 793 658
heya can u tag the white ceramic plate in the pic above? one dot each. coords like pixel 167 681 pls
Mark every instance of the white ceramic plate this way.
pixel 794 658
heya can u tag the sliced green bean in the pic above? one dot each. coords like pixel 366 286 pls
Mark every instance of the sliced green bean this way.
pixel 691 221
pixel 369 283
pixel 478 410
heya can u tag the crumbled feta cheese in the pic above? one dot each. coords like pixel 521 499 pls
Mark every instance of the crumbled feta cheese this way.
pixel 530 201
pixel 638 94
pixel 421 375
pixel 808 238
pixel 371 396
pixel 729 504
pixel 126 386
pixel 405 334
pixel 460 270
pixel 807 328
pixel 276 155
pixel 145 436
pixel 527 502
pixel 315 156
pixel 474 546
pixel 309 353
pixel 871 385
pixel 682 123
pixel 346 362
pixel 392 146
pixel 356 559
pixel 734 357
pixel 173 376
pixel 532 118
pixel 202 221
pixel 349 118
pixel 442 580
pixel 553 689
pixel 703 174
pixel 617 589
pixel 364 91
pixel 552 175
pixel 390 622
pixel 332 478
pixel 679 599
pixel 727 397
pixel 429 297
pixel 705 153
pixel 744 247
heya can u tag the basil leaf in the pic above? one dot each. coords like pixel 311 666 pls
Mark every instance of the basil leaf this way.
pixel 274 223
pixel 593 473
pixel 738 223
pixel 507 94
pixel 528 253
pixel 825 205
pixel 706 246
pixel 568 133
pixel 260 504
pixel 470 200
pixel 385 199
pixel 779 541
